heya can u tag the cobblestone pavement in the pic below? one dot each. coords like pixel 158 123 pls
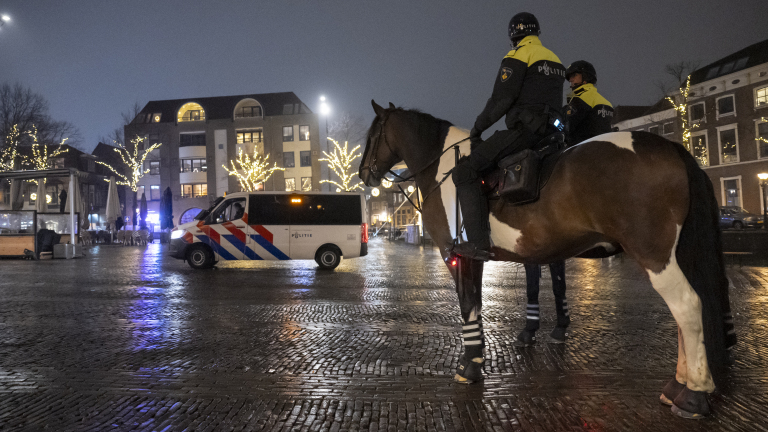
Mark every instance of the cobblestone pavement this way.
pixel 130 339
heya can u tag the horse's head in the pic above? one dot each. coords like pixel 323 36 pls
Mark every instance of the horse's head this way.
pixel 380 151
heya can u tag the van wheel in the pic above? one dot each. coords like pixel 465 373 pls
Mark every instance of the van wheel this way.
pixel 200 257
pixel 328 257
pixel 738 225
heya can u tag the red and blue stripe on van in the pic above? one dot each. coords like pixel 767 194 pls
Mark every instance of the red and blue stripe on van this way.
pixel 233 238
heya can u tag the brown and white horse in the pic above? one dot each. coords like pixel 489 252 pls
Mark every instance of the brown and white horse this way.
pixel 634 191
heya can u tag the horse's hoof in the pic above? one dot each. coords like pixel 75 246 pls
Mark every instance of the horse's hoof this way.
pixel 691 404
pixel 468 371
pixel 671 391
pixel 557 336
pixel 526 338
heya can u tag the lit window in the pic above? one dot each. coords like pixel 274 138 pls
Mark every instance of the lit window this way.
pixel 305 158
pixel 725 106
pixel 761 96
pixel 306 183
pixel 139 191
pixel 729 152
pixel 303 133
pixel 198 190
pixel 731 189
pixel 288 160
pixel 249 137
pixel 287 133
pixel 194 165
pixel 154 192
pixel 191 112
pixel 290 184
pixel 156 117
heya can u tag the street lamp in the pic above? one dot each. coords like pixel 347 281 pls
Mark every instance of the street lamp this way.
pixel 325 111
pixel 4 19
pixel 763 183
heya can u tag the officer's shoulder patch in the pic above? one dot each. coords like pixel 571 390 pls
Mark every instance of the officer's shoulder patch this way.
pixel 505 74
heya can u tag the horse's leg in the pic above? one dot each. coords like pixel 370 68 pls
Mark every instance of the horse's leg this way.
pixel 676 384
pixel 468 287
pixel 557 270
pixel 527 337
pixel 685 305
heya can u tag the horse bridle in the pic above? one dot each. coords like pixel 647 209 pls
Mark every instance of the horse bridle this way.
pixel 371 167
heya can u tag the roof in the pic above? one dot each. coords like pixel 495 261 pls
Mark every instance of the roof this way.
pixel 223 107
pixel 752 55
pixel 626 112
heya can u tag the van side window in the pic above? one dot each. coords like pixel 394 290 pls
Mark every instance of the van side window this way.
pixel 230 210
pixel 268 209
pixel 327 210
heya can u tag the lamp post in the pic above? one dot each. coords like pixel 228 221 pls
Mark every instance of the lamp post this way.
pixel 4 19
pixel 763 183
pixel 325 110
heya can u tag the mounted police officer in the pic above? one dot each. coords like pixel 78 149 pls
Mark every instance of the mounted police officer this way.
pixel 588 114
pixel 528 90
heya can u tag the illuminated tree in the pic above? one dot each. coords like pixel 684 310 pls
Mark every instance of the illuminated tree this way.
pixel 681 106
pixel 40 159
pixel 340 162
pixel 9 154
pixel 252 171
pixel 133 158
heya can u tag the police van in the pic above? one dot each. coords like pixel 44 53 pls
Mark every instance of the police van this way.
pixel 275 226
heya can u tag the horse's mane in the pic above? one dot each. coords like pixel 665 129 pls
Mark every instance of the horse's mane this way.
pixel 418 117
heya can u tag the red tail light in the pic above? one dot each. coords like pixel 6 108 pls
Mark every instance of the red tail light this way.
pixel 364 233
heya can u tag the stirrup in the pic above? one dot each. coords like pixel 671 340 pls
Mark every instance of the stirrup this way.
pixel 469 250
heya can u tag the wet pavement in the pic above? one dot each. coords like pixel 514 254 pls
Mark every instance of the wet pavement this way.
pixel 130 339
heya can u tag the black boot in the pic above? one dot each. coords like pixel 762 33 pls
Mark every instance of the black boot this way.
pixel 474 210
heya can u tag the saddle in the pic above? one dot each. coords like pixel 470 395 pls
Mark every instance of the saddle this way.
pixel 521 176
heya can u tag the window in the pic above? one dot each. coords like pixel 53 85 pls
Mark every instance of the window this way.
pixel 287 133
pixel 288 161
pixel 228 211
pixel 762 139
pixel 668 128
pixel 154 192
pixel 248 111
pixel 189 140
pixel 306 183
pixel 305 158
pixel 325 210
pixel 194 165
pixel 654 130
pixel 287 109
pixel 53 192
pixel 191 112
pixel 731 191
pixel 56 163
pixel 153 167
pixel 156 117
pixel 725 106
pixel 197 190
pixel 303 133
pixel 699 148
pixel 290 184
pixel 729 150
pixel 139 191
pixel 697 113
pixel 249 137
pixel 761 97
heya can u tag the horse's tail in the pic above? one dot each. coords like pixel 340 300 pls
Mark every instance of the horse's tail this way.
pixel 700 256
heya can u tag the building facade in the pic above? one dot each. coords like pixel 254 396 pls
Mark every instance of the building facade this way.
pixel 200 136
pixel 728 104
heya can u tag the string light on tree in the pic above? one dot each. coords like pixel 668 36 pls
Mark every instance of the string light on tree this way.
pixel 133 159
pixel 340 162
pixel 682 109
pixel 40 159
pixel 252 172
pixel 9 155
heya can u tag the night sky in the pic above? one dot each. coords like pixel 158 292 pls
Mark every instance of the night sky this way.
pixel 93 60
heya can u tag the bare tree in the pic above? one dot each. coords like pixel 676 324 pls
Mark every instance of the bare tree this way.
pixel 349 128
pixel 25 109
pixel 117 136
pixel 677 74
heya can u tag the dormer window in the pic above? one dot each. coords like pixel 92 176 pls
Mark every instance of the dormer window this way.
pixel 191 112
pixel 248 108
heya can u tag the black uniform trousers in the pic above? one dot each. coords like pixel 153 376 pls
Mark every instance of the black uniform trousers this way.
pixel 468 174
pixel 532 278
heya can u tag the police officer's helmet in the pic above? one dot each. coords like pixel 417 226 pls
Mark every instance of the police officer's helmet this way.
pixel 522 25
pixel 584 68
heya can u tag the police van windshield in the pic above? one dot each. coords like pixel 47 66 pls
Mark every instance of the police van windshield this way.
pixel 204 213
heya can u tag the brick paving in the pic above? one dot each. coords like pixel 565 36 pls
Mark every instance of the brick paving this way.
pixel 130 339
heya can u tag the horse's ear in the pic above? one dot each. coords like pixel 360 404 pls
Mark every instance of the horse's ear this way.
pixel 377 109
pixel 391 105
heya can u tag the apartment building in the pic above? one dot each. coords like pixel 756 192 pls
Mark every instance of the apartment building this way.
pixel 200 136
pixel 728 103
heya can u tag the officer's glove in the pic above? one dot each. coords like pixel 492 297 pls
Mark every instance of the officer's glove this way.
pixel 475 138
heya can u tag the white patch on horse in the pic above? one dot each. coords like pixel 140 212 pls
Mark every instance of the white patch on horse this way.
pixel 447 162
pixel 685 306
pixel 503 235
pixel 619 139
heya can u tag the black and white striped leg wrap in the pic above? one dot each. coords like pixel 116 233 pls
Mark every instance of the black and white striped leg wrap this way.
pixel 472 334
pixel 532 317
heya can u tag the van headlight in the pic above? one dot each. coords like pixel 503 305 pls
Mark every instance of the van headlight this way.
pixel 177 234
